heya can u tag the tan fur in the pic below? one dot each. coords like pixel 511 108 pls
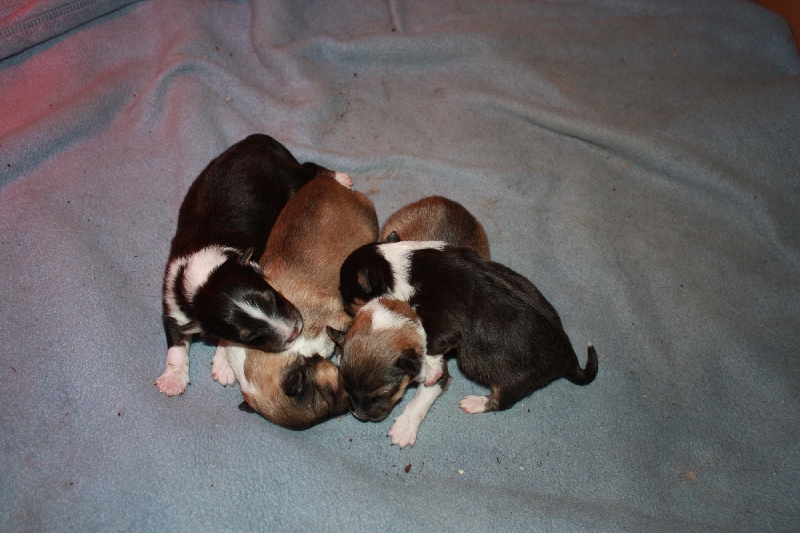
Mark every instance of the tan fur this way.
pixel 265 372
pixel 368 353
pixel 399 307
pixel 312 237
pixel 436 218
pixel 319 227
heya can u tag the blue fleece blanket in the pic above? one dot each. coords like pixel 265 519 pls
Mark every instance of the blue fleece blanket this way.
pixel 638 161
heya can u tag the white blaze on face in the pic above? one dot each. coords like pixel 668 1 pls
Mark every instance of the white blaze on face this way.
pixel 282 326
pixel 386 319
pixel 398 255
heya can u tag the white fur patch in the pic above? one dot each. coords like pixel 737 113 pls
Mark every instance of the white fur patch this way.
pixel 198 267
pixel 385 318
pixel 474 404
pixel 307 347
pixel 404 429
pixel 398 255
pixel 284 327
pixel 343 179
pixel 221 369
pixel 236 357
pixel 253 311
pixel 176 374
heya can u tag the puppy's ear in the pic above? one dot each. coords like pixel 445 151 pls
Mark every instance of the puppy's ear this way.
pixel 295 377
pixel 246 256
pixel 244 406
pixel 393 237
pixel 365 281
pixel 409 362
pixel 335 335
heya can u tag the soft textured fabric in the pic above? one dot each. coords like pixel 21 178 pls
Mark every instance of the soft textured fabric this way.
pixel 637 160
pixel 27 23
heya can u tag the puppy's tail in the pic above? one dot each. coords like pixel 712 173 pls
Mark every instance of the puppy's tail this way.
pixel 584 376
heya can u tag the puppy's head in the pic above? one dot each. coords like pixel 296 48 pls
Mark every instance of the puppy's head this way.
pixel 293 391
pixel 364 275
pixel 236 304
pixel 380 355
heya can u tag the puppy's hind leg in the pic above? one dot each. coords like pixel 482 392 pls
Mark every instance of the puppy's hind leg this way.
pixel 475 404
pixel 502 396
pixel 343 178
pixel 221 369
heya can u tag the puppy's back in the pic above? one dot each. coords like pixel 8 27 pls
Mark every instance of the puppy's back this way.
pixel 317 230
pixel 437 218
pixel 236 199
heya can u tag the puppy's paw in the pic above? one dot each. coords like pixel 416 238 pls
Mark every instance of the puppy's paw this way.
pixel 221 369
pixel 404 430
pixel 344 179
pixel 474 404
pixel 173 381
pixel 433 371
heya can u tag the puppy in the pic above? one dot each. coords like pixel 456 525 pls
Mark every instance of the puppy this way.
pixel 315 232
pixel 212 286
pixel 437 218
pixel 502 330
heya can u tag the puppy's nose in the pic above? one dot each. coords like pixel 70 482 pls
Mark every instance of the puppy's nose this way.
pixel 296 331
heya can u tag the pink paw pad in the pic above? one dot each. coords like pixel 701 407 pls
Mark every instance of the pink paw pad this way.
pixel 404 431
pixel 173 381
pixel 344 179
pixel 474 404
pixel 221 369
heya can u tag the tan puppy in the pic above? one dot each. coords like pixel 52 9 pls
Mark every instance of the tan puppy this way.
pixel 437 218
pixel 320 225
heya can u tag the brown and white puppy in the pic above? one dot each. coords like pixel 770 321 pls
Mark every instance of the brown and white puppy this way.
pixel 437 218
pixel 502 330
pixel 319 227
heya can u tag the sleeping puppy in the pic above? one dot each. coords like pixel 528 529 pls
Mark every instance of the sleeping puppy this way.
pixel 437 218
pixel 313 235
pixel 503 331
pixel 212 286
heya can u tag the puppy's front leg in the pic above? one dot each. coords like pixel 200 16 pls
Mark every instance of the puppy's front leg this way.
pixel 221 368
pixel 404 429
pixel 176 374
pixel 434 369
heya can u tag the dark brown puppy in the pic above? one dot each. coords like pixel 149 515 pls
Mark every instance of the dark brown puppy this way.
pixel 315 232
pixel 503 331
pixel 437 218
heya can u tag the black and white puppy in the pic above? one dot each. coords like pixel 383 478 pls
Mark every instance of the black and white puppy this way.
pixel 213 285
pixel 502 330
pixel 313 235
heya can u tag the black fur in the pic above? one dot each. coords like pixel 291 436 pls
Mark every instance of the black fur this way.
pixel 507 335
pixel 234 203
pixel 361 278
pixel 237 198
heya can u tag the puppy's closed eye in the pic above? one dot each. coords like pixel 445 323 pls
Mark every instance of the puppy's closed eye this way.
pixel 295 378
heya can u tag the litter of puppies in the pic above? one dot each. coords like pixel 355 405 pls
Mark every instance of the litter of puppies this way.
pixel 280 263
